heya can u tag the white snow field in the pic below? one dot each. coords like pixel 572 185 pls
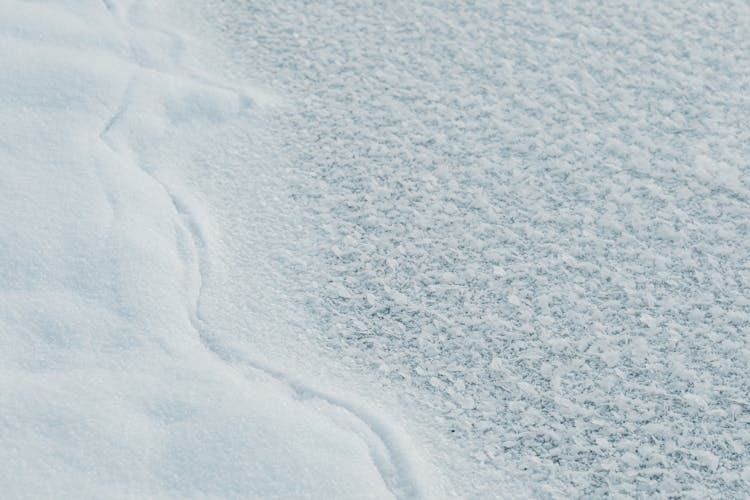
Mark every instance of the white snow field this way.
pixel 111 385
pixel 357 249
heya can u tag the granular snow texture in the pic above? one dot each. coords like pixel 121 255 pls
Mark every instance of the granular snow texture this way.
pixel 533 218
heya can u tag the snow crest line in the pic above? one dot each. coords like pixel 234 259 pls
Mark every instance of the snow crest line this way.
pixel 395 468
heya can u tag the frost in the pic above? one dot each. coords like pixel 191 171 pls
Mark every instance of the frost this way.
pixel 496 364
pixel 696 401
pixel 561 195
pixel 534 214
pixel 707 459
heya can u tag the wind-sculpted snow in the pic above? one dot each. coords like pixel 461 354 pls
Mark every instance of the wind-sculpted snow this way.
pixel 110 382
pixel 532 219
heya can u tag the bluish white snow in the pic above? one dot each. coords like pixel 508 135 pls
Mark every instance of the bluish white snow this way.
pixel 531 221
pixel 356 249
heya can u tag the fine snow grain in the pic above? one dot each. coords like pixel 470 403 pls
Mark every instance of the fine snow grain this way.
pixel 110 384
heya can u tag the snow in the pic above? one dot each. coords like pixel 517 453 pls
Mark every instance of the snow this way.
pixel 526 222
pixel 110 385
pixel 361 250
